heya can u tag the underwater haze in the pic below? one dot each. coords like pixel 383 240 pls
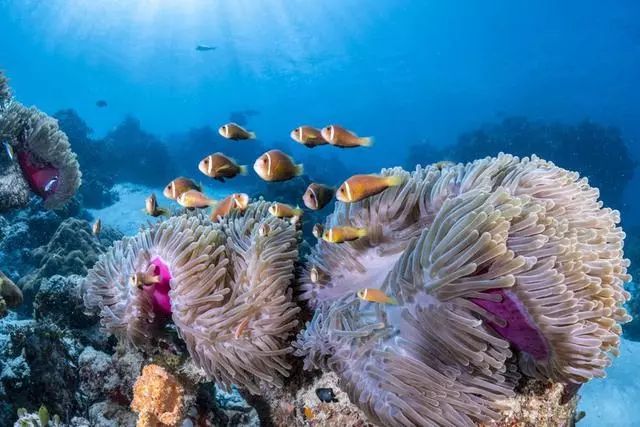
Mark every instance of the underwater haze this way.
pixel 142 88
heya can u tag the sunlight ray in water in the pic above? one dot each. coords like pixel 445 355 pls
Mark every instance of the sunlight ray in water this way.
pixel 341 212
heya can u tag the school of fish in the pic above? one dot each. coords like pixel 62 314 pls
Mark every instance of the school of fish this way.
pixel 276 166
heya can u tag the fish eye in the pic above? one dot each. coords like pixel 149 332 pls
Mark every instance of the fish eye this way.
pixel 206 161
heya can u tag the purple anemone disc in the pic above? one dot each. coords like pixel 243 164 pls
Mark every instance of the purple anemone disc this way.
pixel 519 330
pixel 160 291
pixel 38 177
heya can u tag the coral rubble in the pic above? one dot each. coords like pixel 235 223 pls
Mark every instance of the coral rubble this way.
pixel 158 397
pixel 498 260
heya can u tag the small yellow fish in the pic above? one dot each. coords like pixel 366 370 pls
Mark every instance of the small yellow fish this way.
pixel 264 230
pixel 308 136
pixel 317 196
pixel 443 164
pixel 241 328
pixel 341 137
pixel 218 166
pixel 151 207
pixel 194 199
pixel 315 275
pixel 343 234
pixel 175 188
pixel 97 227
pixel 308 413
pixel 235 132
pixel 359 187
pixel 139 280
pixel 235 201
pixel 9 149
pixel 275 165
pixel 281 210
pixel 376 295
pixel 317 231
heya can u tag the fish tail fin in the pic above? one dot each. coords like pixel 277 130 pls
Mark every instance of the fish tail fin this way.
pixel 164 212
pixel 366 141
pixel 394 180
pixel 298 212
pixel 299 169
pixel 393 301
pixel 362 232
pixel 243 170
pixel 252 135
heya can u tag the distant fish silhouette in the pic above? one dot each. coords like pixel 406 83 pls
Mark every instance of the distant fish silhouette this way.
pixel 242 117
pixel 205 48
pixel 101 103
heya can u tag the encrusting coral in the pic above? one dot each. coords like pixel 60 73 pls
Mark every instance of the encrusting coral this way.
pixel 225 286
pixel 158 397
pixel 497 258
pixel 43 151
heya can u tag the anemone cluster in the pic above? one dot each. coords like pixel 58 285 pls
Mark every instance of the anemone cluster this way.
pixel 497 258
pixel 499 268
pixel 43 151
pixel 226 286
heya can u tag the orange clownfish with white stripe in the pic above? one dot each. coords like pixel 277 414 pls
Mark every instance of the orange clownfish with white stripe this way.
pixel 359 187
pixel 376 295
pixel 274 165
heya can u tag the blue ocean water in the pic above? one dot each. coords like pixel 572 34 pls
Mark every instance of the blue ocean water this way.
pixel 415 75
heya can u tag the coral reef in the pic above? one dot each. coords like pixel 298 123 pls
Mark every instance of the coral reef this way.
pixel 158 398
pixel 44 155
pixel 135 156
pixel 72 249
pixel 226 288
pixel 99 177
pixel 492 262
pixel 577 147
pixel 24 230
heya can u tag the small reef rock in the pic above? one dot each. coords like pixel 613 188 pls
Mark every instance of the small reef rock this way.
pixel 42 153
pixel 10 294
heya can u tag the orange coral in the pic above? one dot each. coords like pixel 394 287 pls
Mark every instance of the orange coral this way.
pixel 158 397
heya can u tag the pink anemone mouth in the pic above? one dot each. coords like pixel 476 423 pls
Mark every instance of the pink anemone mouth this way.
pixel 518 328
pixel 43 180
pixel 160 291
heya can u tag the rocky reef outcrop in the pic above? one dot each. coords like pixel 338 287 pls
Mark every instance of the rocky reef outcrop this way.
pixel 72 249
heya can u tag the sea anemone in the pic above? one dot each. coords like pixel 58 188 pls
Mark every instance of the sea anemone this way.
pixel 42 149
pixel 183 252
pixel 225 286
pixel 499 257
pixel 5 91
